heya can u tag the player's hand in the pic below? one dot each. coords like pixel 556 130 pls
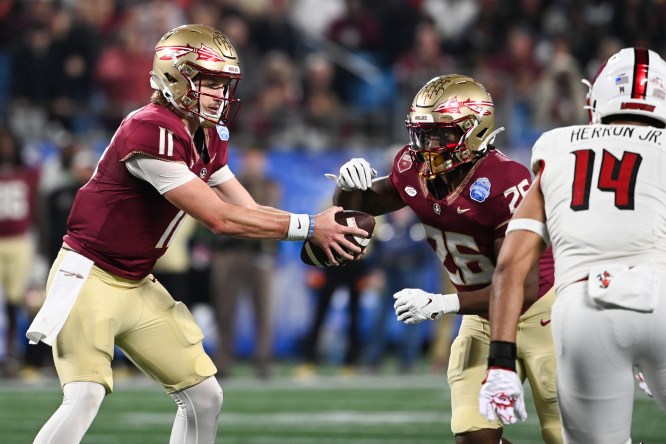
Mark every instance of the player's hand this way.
pixel 356 174
pixel 502 396
pixel 330 236
pixel 413 305
pixel 642 384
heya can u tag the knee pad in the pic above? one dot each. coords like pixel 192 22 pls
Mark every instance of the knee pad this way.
pixel 198 412
pixel 80 403
pixel 204 398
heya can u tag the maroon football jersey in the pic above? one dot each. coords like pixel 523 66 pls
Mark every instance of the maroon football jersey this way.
pixel 462 227
pixel 18 191
pixel 121 222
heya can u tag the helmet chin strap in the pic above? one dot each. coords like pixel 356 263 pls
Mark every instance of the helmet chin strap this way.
pixel 490 139
pixel 588 106
pixel 157 83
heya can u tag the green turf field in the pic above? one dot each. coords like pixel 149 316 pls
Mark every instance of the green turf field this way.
pixel 329 409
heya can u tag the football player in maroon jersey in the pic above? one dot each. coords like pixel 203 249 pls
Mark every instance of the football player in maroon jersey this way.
pixel 166 160
pixel 464 191
pixel 18 194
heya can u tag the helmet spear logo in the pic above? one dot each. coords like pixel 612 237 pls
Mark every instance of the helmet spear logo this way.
pixel 454 106
pixel 203 52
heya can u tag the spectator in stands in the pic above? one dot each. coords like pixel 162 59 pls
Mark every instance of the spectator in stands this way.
pixel 123 71
pixel 424 60
pixel 559 91
pixel 358 31
pixel 244 268
pixel 352 278
pixel 273 30
pixel 324 126
pixel 273 115
pixel 405 260
pixel 238 30
pixel 74 50
pixel 58 199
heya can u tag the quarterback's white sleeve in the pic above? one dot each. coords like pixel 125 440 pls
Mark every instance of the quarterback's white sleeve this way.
pixel 220 176
pixel 163 175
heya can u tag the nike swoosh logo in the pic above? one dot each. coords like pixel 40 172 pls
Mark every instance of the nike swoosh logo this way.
pixel 72 274
pixel 427 303
pixel 544 323
pixel 299 224
pixel 462 210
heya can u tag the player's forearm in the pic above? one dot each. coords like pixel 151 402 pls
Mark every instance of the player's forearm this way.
pixel 474 302
pixel 351 200
pixel 380 199
pixel 517 271
pixel 250 223
pixel 271 210
pixel 506 302
pixel 242 218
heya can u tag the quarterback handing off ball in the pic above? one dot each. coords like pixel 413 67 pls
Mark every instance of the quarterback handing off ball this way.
pixel 313 255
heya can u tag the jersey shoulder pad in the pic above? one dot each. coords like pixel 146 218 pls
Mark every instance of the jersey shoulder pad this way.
pixel 404 169
pixel 548 143
pixel 156 133
pixel 503 171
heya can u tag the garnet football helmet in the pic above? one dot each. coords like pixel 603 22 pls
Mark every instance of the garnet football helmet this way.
pixel 632 81
pixel 188 51
pixel 450 123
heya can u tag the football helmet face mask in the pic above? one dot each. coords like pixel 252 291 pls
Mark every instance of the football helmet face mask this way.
pixel 450 123
pixel 184 56
pixel 631 82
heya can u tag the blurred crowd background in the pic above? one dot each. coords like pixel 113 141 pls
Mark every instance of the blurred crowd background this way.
pixel 323 80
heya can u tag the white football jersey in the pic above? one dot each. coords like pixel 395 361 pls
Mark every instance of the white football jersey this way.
pixel 605 196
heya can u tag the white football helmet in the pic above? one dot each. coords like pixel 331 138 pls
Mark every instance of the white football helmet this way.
pixel 632 82
pixel 190 50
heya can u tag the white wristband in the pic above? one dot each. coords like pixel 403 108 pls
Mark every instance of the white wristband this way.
pixel 451 302
pixel 299 225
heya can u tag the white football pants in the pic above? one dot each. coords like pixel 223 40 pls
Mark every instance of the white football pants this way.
pixel 597 350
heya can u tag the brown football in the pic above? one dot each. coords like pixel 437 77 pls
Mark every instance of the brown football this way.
pixel 311 254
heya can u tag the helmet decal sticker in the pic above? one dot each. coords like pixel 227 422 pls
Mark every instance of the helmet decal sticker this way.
pixel 640 74
pixel 411 191
pixel 480 189
pixel 203 53
pixel 454 106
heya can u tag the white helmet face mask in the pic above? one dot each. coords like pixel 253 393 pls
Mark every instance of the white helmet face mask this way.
pixel 632 82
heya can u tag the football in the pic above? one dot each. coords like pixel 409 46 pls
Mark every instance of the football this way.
pixel 311 254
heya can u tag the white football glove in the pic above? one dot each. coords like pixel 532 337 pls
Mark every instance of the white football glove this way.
pixel 502 396
pixel 413 305
pixel 642 384
pixel 356 174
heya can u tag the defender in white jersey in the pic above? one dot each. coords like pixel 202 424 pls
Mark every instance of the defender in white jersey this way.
pixel 598 197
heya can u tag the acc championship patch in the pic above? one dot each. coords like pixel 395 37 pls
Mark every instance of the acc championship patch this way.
pixel 405 162
pixel 480 189
pixel 223 132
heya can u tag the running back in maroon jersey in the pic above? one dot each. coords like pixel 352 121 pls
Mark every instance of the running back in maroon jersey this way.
pixel 463 226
